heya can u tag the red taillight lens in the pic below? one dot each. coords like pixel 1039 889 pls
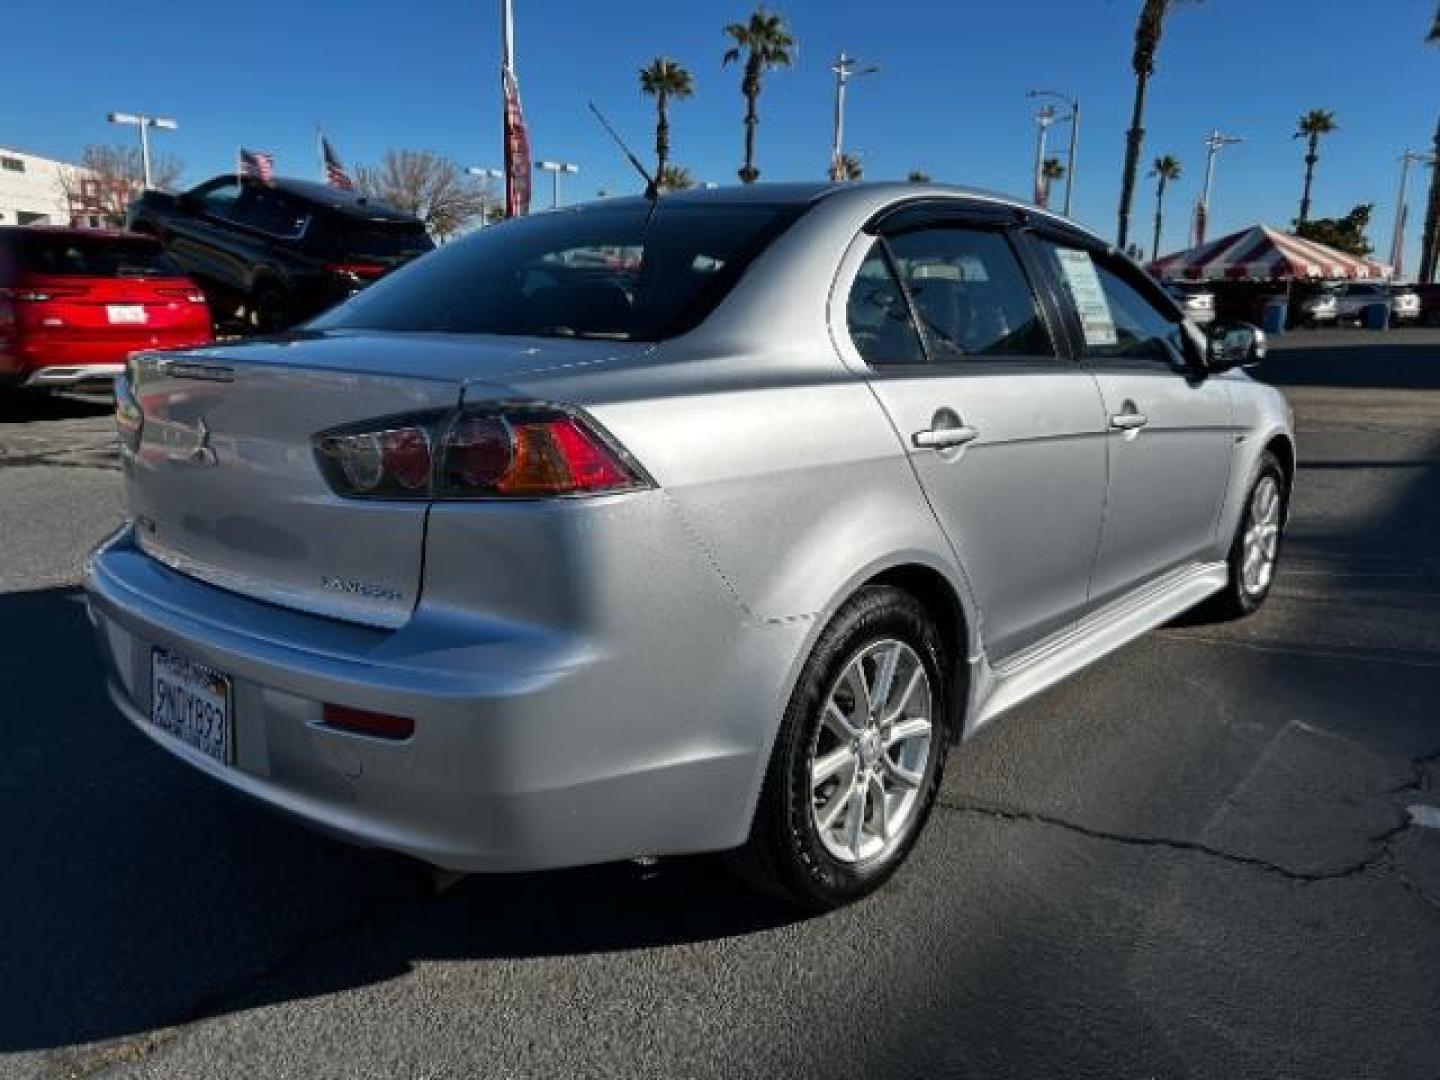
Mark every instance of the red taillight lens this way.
pixel 360 270
pixel 381 725
pixel 520 451
pixel 193 296
pixel 41 296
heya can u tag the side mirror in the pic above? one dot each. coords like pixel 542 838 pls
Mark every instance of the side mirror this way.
pixel 1232 345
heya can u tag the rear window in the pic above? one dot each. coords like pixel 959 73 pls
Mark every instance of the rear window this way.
pixel 69 255
pixel 377 240
pixel 622 273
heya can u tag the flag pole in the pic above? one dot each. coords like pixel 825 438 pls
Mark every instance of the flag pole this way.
pixel 507 62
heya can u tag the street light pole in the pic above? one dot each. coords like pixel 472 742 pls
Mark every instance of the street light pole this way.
pixel 555 168
pixel 485 175
pixel 1043 119
pixel 1213 142
pixel 845 70
pixel 144 123
pixel 1397 239
pixel 1073 118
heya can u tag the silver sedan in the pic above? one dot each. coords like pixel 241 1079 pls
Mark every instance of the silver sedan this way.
pixel 708 525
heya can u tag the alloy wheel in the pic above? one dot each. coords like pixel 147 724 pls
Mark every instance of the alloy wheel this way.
pixel 1261 543
pixel 870 752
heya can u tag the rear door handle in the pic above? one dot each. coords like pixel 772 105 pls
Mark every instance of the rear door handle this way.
pixel 945 437
pixel 1128 421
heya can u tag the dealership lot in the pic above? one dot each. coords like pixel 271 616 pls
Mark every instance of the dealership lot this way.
pixel 1197 858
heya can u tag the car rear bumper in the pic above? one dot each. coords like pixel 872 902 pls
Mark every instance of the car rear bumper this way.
pixel 521 758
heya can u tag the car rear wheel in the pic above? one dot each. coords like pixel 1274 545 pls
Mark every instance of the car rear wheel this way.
pixel 1255 551
pixel 858 759
pixel 268 310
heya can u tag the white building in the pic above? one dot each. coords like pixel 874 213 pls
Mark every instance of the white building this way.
pixel 34 191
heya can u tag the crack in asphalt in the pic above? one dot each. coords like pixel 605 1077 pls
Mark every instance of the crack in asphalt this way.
pixel 1382 858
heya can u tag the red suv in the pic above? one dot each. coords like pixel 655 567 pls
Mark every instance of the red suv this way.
pixel 74 303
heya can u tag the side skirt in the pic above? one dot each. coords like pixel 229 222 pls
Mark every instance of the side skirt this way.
pixel 1040 666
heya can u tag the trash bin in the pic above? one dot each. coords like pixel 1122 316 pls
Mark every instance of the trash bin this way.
pixel 1377 316
pixel 1274 314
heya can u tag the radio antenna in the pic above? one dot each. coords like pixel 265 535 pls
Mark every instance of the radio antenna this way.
pixel 652 188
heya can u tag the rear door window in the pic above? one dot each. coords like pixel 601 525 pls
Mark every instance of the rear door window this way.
pixel 271 212
pixel 970 295
pixel 1121 316
pixel 878 315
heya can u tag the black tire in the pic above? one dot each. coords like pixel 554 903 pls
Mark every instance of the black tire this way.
pixel 268 309
pixel 1236 601
pixel 784 854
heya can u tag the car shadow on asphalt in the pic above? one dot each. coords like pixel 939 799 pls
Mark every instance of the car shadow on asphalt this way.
pixel 34 406
pixel 1384 364
pixel 138 894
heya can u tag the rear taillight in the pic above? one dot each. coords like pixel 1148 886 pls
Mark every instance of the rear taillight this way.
pixel 495 452
pixel 357 270
pixel 129 417
pixel 192 296
pixel 40 296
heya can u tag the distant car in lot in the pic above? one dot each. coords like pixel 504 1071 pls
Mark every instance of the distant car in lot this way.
pixel 1352 299
pixel 1321 306
pixel 529 556
pixel 278 253
pixel 74 303
pixel 1429 299
pixel 1197 301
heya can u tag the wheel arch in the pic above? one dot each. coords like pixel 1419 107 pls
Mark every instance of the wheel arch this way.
pixel 1283 447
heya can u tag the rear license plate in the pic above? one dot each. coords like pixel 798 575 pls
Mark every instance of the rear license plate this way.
pixel 125 313
pixel 191 702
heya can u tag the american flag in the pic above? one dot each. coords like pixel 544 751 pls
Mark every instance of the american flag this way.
pixel 257 164
pixel 335 174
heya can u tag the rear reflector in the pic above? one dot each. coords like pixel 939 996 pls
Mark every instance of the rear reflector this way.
pixel 381 725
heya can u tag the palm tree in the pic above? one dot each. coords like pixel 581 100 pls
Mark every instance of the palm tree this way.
pixel 1166 168
pixel 765 43
pixel 918 176
pixel 851 168
pixel 1310 127
pixel 662 80
pixel 1434 36
pixel 1142 61
pixel 1050 171
pixel 674 178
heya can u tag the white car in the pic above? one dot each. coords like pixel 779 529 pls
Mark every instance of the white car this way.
pixel 1197 302
pixel 1404 304
pixel 1321 307
pixel 1354 298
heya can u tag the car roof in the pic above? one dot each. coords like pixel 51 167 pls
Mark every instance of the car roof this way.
pixel 352 204
pixel 883 194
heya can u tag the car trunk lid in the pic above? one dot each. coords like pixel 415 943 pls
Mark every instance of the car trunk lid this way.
pixel 225 486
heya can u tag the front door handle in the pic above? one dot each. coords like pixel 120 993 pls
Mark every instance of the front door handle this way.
pixel 945 437
pixel 1129 421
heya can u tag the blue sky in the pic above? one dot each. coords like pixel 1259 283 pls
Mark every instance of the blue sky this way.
pixel 950 98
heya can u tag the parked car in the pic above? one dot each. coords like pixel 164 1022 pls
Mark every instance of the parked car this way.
pixel 1353 298
pixel 522 558
pixel 1197 301
pixel 74 303
pixel 1429 297
pixel 1320 305
pixel 280 252
pixel 1404 303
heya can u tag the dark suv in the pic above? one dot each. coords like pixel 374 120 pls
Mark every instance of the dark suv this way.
pixel 277 253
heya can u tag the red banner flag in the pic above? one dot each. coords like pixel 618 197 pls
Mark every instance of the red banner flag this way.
pixel 517 150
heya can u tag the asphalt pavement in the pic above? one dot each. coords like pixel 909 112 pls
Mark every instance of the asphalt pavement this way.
pixel 1203 857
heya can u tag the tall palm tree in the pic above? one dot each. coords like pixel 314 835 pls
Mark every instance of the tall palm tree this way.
pixel 1434 36
pixel 765 43
pixel 1147 42
pixel 674 178
pixel 1430 235
pixel 663 79
pixel 1050 171
pixel 1166 168
pixel 1310 127
pixel 851 168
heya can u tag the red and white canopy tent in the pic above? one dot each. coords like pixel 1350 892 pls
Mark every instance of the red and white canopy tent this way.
pixel 1260 253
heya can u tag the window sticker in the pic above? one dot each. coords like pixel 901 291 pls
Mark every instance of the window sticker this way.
pixel 1096 320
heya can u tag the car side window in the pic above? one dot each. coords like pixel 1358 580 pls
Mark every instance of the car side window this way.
pixel 270 212
pixel 220 200
pixel 878 315
pixel 1117 320
pixel 970 295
